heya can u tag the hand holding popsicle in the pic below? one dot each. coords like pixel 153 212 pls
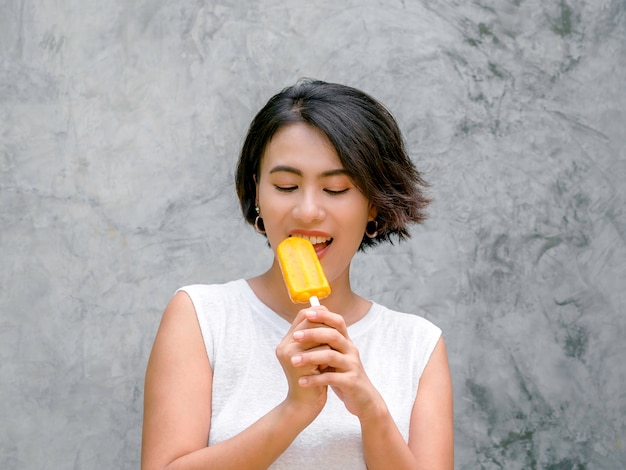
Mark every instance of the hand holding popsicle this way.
pixel 302 271
pixel 333 361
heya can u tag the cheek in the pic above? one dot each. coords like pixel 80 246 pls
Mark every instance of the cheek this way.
pixel 265 198
pixel 357 211
pixel 273 208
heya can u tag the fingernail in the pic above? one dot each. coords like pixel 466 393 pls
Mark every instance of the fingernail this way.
pixel 298 335
pixel 295 360
pixel 311 314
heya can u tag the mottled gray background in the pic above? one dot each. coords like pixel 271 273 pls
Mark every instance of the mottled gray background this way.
pixel 120 124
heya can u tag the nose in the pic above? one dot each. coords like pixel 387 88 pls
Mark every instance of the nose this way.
pixel 309 208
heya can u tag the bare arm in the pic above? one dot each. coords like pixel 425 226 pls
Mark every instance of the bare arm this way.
pixel 431 433
pixel 177 391
pixel 177 404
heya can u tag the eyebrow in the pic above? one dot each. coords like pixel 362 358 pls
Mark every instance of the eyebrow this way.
pixel 296 171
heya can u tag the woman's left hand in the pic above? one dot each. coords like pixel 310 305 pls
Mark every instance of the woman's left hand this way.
pixel 340 366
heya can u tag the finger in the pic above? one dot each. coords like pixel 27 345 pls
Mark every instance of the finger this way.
pixel 321 315
pixel 325 335
pixel 302 322
pixel 296 358
pixel 300 317
pixel 322 359
pixel 319 380
pixel 288 347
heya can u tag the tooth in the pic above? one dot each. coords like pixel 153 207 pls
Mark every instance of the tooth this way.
pixel 314 239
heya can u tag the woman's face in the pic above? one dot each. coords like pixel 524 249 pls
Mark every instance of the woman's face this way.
pixel 303 190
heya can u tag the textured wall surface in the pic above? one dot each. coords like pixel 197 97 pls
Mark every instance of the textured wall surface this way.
pixel 120 124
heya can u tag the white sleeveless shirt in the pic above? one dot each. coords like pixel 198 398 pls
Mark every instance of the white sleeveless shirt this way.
pixel 241 334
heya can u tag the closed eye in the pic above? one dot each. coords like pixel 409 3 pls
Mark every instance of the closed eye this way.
pixel 336 192
pixel 285 189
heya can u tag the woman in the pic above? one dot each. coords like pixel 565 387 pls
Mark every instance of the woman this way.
pixel 241 377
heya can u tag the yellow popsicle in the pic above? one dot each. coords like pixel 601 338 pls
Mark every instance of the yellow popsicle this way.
pixel 302 271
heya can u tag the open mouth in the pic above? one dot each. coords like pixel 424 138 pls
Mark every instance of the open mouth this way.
pixel 319 243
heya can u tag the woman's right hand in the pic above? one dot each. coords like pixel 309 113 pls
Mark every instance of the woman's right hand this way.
pixel 288 353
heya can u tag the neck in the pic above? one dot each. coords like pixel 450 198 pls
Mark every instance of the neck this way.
pixel 270 288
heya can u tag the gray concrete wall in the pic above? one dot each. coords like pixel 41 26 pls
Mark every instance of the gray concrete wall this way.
pixel 120 124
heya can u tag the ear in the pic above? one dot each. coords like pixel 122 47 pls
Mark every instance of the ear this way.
pixel 373 212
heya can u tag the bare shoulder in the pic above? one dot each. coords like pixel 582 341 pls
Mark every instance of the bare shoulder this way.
pixel 179 316
pixel 437 368
pixel 178 350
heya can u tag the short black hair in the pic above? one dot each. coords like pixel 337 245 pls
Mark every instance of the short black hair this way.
pixel 367 140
